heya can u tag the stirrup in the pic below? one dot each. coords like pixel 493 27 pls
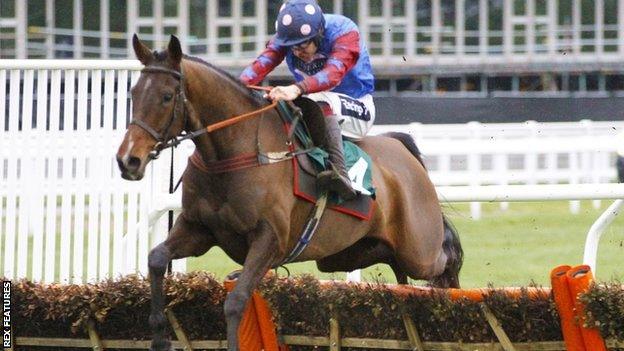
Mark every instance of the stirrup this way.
pixel 334 182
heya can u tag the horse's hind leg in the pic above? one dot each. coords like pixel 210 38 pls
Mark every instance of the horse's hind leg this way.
pixel 263 250
pixel 185 239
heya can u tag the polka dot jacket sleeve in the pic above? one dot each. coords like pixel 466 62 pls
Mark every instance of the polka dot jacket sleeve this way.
pixel 272 56
pixel 343 56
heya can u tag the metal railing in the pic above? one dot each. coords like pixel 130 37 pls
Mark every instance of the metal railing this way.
pixel 409 33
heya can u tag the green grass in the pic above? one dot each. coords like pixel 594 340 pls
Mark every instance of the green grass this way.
pixel 505 248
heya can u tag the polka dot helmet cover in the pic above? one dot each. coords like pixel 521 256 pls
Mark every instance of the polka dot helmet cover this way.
pixel 298 21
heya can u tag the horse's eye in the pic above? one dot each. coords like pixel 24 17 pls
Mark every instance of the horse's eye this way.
pixel 167 97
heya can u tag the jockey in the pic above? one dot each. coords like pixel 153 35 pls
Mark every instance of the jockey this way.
pixel 331 66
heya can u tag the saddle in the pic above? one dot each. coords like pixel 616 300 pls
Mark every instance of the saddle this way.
pixel 310 131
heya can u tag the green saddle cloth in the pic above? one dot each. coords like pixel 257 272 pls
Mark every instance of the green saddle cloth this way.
pixel 358 163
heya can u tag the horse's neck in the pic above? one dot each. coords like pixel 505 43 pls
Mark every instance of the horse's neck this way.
pixel 214 98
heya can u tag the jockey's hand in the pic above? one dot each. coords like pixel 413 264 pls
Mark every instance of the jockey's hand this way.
pixel 286 93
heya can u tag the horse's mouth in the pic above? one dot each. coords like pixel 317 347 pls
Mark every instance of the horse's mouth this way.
pixel 131 176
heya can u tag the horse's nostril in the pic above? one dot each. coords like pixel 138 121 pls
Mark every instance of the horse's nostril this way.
pixel 120 164
pixel 133 163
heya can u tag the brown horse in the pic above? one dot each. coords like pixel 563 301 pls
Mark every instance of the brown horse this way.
pixel 251 213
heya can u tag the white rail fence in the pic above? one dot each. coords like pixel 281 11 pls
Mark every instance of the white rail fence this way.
pixel 64 208
pixel 508 153
pixel 517 153
pixel 66 215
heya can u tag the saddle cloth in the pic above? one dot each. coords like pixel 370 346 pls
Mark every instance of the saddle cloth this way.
pixel 305 188
pixel 306 166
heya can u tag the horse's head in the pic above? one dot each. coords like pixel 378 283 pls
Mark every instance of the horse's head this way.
pixel 158 111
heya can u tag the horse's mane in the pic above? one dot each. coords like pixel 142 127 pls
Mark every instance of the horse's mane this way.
pixel 251 94
pixel 161 56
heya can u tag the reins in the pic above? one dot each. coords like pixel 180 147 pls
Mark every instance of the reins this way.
pixel 163 142
pixel 230 121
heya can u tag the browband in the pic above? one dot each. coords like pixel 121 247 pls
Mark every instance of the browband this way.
pixel 156 69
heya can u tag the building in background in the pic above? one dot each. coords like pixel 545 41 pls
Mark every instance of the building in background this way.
pixel 435 60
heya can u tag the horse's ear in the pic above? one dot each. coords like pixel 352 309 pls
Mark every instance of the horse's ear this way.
pixel 175 50
pixel 142 52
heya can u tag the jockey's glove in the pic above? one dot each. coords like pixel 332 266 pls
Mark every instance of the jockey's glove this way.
pixel 287 93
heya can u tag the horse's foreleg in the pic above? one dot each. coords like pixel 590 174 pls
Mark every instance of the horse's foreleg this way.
pixel 263 249
pixel 159 257
pixel 185 239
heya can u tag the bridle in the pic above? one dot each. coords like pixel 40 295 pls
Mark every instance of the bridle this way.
pixel 163 140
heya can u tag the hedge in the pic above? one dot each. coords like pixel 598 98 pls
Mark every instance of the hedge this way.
pixel 302 306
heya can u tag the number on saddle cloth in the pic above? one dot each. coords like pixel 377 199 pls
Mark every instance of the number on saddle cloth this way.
pixel 359 166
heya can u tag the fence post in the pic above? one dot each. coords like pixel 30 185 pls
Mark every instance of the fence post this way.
pixel 474 166
pixel 589 159
pixel 531 162
pixel 96 342
pixel 412 333
pixel 179 332
pixel 576 164
pixel 334 330
pixel 496 327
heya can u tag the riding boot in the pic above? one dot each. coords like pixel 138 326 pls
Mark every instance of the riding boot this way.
pixel 336 179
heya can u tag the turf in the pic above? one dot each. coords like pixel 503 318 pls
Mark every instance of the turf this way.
pixel 513 247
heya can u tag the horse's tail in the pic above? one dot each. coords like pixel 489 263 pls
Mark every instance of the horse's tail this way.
pixel 454 257
pixel 451 244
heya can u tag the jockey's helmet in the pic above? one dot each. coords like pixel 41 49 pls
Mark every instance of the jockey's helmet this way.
pixel 298 21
